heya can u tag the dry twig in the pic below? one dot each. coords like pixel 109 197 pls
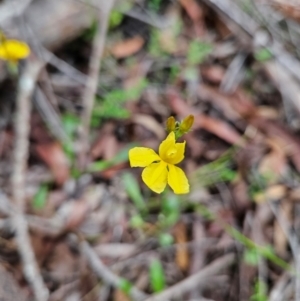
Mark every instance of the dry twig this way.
pixel 22 128
pixel 92 80
pixel 105 273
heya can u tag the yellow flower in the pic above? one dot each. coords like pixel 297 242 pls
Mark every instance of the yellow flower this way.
pixel 13 50
pixel 160 169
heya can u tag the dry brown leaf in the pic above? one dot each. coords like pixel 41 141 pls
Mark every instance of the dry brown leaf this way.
pixel 195 145
pixel 127 47
pixel 168 36
pixel 182 254
pixel 219 128
pixel 54 156
pixel 294 195
pixel 6 142
pixel 290 9
pixel 267 112
pixel 239 104
pixel 99 144
pixel 150 123
pixel 192 9
pixel 78 212
pixel 195 12
pixel 9 288
pixel 212 125
pixel 274 164
pixel 272 193
pixel 62 264
pixel 120 296
pixel 110 148
pixel 280 238
pixel 287 139
pixel 113 171
pixel 42 247
pixel 223 102
pixel 240 194
pixel 168 41
pixel 213 73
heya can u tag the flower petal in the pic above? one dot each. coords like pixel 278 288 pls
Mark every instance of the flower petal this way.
pixel 142 156
pixel 178 180
pixel 166 145
pixel 14 50
pixel 155 176
pixel 170 151
pixel 179 155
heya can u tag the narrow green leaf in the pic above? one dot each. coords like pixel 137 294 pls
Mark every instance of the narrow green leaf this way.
pixel 120 157
pixel 125 286
pixel 263 55
pixel 165 239
pixel 40 198
pixel 136 222
pixel 251 257
pixel 133 190
pixel 157 276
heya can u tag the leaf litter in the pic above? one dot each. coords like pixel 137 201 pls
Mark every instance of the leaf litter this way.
pixel 235 236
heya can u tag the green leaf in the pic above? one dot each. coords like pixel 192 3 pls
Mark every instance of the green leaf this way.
pixel 136 222
pixel 155 5
pixel 260 291
pixel 251 257
pixel 157 276
pixel 110 105
pixel 70 124
pixel 115 19
pixel 263 55
pixel 133 190
pixel 190 73
pixel 40 197
pixel 165 239
pixel 125 286
pixel 170 210
pixel 198 52
pixel 154 47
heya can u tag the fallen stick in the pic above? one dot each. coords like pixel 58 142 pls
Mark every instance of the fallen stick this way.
pixel 21 149
pixel 103 272
pixel 93 79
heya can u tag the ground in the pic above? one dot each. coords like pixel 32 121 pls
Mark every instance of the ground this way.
pixel 78 222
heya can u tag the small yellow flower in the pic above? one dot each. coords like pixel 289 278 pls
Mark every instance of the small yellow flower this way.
pixel 13 50
pixel 160 169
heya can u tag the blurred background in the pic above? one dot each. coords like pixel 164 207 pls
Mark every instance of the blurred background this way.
pixel 77 223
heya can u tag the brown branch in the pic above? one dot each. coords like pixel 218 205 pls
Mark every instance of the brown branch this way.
pixel 103 272
pixel 22 127
pixel 93 78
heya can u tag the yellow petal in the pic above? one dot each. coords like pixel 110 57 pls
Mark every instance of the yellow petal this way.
pixel 178 180
pixel 166 145
pixel 155 176
pixel 170 151
pixel 142 156
pixel 14 50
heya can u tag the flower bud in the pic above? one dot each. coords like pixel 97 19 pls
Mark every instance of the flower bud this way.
pixel 171 124
pixel 186 124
